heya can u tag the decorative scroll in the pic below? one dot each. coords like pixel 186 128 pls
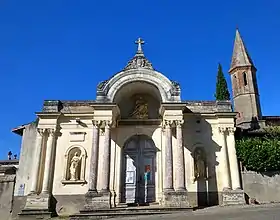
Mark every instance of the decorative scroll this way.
pixel 139 62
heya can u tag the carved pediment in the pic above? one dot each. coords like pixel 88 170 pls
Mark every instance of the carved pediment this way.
pixel 139 62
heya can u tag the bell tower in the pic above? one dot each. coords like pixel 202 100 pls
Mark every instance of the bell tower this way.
pixel 244 85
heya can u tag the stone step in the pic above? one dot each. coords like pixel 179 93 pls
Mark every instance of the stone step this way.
pixel 136 209
pixel 34 214
pixel 121 212
pixel 122 205
pixel 105 215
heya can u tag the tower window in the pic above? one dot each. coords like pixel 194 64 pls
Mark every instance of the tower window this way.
pixel 245 79
pixel 235 85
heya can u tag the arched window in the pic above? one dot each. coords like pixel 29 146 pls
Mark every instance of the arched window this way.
pixel 245 79
pixel 74 168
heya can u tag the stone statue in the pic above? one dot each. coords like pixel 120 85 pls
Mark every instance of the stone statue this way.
pixel 74 167
pixel 141 109
pixel 199 165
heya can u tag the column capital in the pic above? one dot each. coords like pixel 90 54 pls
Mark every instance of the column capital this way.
pixel 231 130
pixel 96 123
pixel 179 123
pixel 51 131
pixel 41 131
pixel 107 123
pixel 167 123
pixel 222 129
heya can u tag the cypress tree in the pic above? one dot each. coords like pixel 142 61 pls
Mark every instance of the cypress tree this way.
pixel 222 92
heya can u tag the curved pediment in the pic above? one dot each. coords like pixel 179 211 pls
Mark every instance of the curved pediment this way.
pixel 169 90
pixel 139 69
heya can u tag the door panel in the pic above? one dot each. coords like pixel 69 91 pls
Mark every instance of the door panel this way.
pixel 147 185
pixel 139 176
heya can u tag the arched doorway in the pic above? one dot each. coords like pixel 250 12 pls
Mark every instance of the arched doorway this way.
pixel 139 168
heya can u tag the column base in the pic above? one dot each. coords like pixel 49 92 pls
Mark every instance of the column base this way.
pixel 177 199
pixel 233 197
pixel 96 200
pixel 38 206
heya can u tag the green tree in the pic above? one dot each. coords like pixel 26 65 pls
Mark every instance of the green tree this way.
pixel 222 92
pixel 260 153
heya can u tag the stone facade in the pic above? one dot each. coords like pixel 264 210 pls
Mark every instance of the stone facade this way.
pixel 137 143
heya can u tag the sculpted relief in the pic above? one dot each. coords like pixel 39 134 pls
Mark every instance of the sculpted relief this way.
pixel 140 110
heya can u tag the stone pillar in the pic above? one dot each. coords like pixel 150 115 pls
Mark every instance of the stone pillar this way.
pixel 106 158
pixel 37 160
pixel 168 177
pixel 172 198
pixel 233 162
pixel 102 199
pixel 234 196
pixel 94 158
pixel 179 162
pixel 224 160
pixel 48 162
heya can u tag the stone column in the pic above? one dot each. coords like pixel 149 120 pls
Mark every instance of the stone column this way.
pixel 48 161
pixel 94 158
pixel 224 160
pixel 233 162
pixel 179 163
pixel 106 158
pixel 168 177
pixel 37 160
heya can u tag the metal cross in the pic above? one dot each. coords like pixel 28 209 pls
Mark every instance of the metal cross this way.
pixel 139 42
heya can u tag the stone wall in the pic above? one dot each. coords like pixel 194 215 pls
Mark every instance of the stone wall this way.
pixel 25 161
pixel 264 187
pixel 7 182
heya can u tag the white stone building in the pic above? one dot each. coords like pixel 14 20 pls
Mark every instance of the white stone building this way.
pixel 137 143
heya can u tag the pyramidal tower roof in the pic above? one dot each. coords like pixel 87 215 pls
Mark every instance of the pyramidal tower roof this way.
pixel 139 60
pixel 240 56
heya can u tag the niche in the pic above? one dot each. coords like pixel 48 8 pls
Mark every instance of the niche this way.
pixel 75 160
pixel 200 164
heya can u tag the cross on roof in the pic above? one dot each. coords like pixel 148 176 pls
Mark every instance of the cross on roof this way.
pixel 139 42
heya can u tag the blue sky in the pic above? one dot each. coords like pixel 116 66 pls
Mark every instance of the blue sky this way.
pixel 61 49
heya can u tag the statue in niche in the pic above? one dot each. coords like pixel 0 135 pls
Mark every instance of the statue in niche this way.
pixel 140 109
pixel 199 165
pixel 74 167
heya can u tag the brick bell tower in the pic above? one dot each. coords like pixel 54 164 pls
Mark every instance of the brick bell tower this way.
pixel 245 88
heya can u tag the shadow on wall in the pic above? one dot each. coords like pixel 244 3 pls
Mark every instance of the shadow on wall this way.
pixel 203 151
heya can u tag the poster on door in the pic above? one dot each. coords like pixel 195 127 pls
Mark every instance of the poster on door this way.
pixel 147 172
pixel 130 175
